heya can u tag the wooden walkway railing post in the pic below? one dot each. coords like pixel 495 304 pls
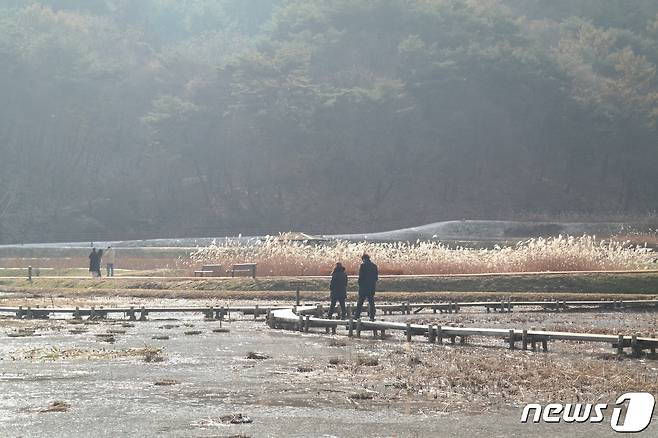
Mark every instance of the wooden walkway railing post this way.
pixel 430 334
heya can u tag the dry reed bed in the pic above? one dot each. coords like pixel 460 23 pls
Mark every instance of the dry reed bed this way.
pixel 277 256
pixel 481 378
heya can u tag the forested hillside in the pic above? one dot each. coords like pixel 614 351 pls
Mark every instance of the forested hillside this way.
pixel 156 118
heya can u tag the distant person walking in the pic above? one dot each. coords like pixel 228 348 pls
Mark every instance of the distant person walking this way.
pixel 368 276
pixel 338 288
pixel 110 256
pixel 95 263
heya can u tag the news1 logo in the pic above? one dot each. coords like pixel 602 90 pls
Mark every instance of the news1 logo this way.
pixel 639 411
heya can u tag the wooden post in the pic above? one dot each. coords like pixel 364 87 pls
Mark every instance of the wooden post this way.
pixel 544 342
pixel 620 345
pixel 533 344
pixel 408 332
pixel 297 296
pixel 19 312
pixel 131 313
pixel 318 311
pixel 635 346
pixel 439 334
pixel 300 323
pixel 142 313
pixel 29 274
pixel 256 312
pixel 511 340
pixel 350 326
pixel 430 334
pixel 524 339
pixel 92 314
pixel 382 333
pixel 76 314
pixel 307 323
pixel 333 329
pixel 358 328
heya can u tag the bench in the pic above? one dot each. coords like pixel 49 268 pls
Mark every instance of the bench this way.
pixel 244 267
pixel 209 271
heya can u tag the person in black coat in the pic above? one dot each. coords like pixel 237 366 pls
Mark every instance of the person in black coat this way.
pixel 368 276
pixel 338 288
pixel 99 262
pixel 94 261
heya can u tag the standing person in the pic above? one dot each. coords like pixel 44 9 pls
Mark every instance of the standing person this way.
pixel 110 256
pixel 99 262
pixel 93 260
pixel 338 288
pixel 368 276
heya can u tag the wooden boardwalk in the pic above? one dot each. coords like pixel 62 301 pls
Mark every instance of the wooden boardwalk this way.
pixel 134 313
pixel 509 305
pixel 141 313
pixel 304 318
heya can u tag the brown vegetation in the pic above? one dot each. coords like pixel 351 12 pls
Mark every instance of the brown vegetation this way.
pixel 276 257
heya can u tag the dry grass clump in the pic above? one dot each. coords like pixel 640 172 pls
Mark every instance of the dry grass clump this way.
pixel 368 361
pixel 56 353
pixel 257 355
pixel 563 253
pixel 152 354
pixel 57 406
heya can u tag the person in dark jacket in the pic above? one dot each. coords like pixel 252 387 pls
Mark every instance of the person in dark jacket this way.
pixel 99 262
pixel 94 263
pixel 338 288
pixel 368 276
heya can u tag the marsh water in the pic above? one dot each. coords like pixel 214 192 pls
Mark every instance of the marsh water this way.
pixel 110 389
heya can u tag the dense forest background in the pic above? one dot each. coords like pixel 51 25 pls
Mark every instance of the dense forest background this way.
pixel 156 118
